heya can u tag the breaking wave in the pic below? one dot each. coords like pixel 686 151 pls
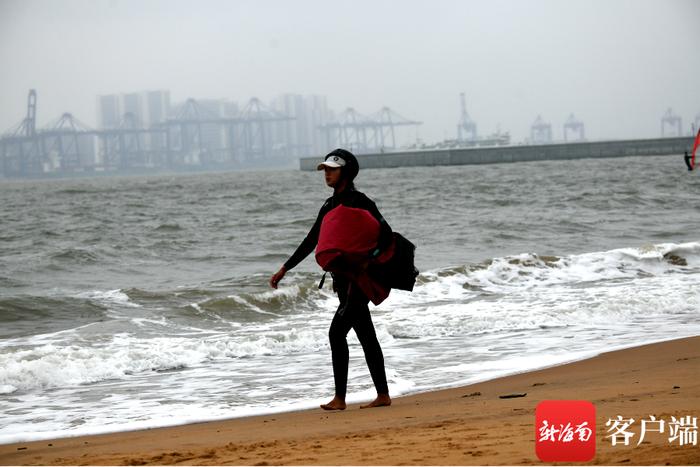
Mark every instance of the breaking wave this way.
pixel 511 294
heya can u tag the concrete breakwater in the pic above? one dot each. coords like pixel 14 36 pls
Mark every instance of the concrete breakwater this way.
pixel 522 153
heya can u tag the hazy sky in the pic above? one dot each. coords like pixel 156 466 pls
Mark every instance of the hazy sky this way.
pixel 617 64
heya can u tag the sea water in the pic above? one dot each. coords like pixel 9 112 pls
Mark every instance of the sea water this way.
pixel 133 302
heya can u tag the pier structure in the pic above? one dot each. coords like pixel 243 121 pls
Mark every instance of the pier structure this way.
pixel 20 148
pixel 68 144
pixel 540 131
pixel 195 136
pixel 466 128
pixel 522 153
pixel 257 122
pixel 207 135
pixel 363 134
pixel 467 136
pixel 576 127
pixel 65 144
pixel 130 146
pixel 671 121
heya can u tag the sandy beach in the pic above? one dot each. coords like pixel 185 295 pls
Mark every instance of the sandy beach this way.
pixel 461 426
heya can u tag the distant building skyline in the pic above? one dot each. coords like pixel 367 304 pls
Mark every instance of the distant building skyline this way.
pixel 304 133
pixel 153 106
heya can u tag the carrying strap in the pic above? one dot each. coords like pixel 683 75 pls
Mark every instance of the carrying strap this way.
pixel 323 279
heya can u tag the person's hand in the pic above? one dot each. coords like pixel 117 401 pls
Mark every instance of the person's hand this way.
pixel 277 277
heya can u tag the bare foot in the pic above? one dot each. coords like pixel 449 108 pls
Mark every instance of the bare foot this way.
pixel 382 400
pixel 336 404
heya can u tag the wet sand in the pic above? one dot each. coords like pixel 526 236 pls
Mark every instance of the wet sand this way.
pixel 461 426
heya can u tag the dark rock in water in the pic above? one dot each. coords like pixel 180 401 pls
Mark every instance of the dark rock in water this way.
pixel 473 394
pixel 675 260
pixel 513 396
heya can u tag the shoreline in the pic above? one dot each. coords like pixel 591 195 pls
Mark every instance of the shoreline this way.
pixel 353 399
pixel 462 425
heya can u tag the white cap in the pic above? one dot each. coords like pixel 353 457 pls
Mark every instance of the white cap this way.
pixel 332 161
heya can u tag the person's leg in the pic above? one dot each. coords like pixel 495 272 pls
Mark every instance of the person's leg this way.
pixel 358 309
pixel 337 335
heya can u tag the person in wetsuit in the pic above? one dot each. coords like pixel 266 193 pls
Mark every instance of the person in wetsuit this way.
pixel 687 162
pixel 341 168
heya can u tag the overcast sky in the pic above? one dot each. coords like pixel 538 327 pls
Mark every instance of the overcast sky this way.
pixel 616 64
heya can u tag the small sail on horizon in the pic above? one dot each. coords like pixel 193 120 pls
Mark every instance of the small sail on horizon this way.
pixel 695 150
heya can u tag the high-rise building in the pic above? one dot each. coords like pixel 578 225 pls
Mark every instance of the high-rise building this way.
pixel 109 110
pixel 300 136
pixel 318 115
pixel 202 136
pixel 157 107
pixel 133 104
pixel 213 134
pixel 287 135
pixel 149 108
pixel 157 111
pixel 140 109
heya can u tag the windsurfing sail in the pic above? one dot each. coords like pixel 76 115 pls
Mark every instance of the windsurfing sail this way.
pixel 695 150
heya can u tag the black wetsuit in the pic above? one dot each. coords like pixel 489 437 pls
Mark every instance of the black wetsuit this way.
pixel 353 310
pixel 687 161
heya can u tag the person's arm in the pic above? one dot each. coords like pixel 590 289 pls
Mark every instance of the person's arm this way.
pixel 307 246
pixel 304 249
pixel 277 277
pixel 385 232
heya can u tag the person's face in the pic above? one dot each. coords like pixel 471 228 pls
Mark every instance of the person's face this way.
pixel 332 176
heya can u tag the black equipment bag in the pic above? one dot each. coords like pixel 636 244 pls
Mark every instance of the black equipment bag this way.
pixel 400 271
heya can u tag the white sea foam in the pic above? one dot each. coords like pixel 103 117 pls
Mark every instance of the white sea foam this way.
pixel 62 365
pixel 251 306
pixel 7 389
pixel 109 297
pixel 460 325
pixel 288 292
pixel 516 274
pixel 535 295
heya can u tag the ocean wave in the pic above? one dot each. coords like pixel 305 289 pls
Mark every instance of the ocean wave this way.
pixel 257 306
pixel 77 191
pixel 527 270
pixel 29 315
pixel 559 307
pixel 504 296
pixel 10 282
pixel 125 356
pixel 530 292
pixel 75 255
pixel 168 227
pixel 109 298
pixel 512 275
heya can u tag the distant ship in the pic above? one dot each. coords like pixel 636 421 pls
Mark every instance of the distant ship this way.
pixel 494 139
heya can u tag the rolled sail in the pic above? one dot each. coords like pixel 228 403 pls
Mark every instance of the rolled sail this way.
pixel 346 238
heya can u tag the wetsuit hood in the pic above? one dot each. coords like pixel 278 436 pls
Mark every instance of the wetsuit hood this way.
pixel 351 167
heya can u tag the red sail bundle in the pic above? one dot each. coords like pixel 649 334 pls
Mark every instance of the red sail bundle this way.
pixel 345 241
